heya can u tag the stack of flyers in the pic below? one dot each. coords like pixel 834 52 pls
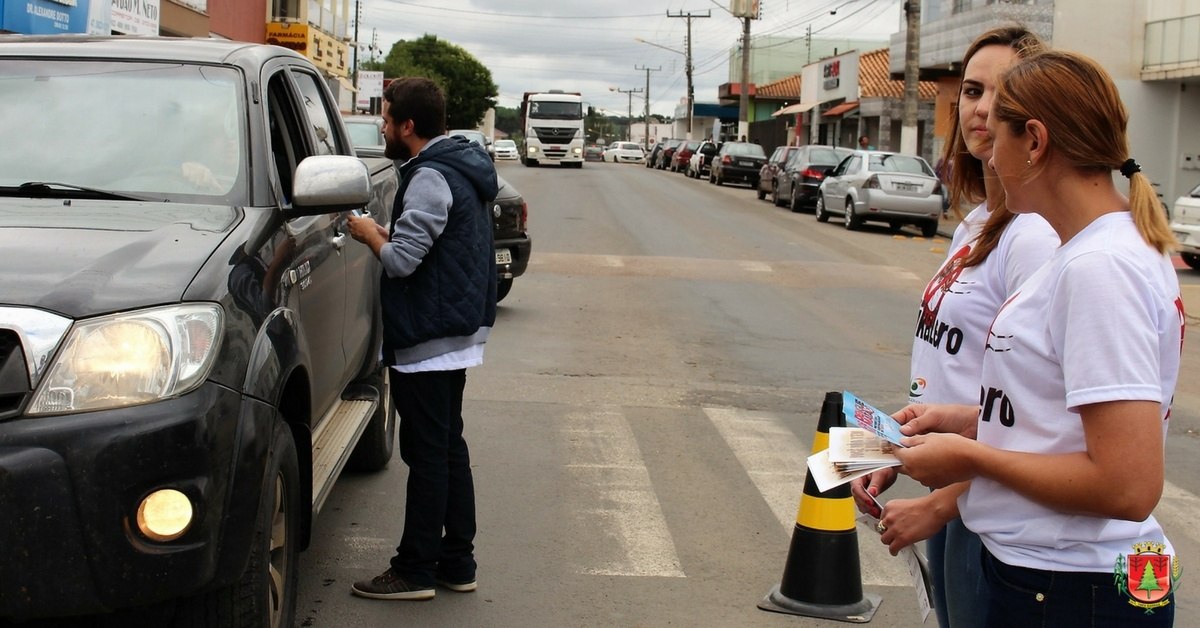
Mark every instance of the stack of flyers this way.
pixel 853 452
pixel 860 414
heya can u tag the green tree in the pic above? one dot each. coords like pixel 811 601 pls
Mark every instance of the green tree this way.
pixel 1149 582
pixel 508 119
pixel 467 83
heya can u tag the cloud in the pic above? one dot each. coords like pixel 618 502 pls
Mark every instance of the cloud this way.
pixel 594 48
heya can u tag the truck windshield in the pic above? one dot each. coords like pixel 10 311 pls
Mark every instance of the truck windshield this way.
pixel 164 130
pixel 549 110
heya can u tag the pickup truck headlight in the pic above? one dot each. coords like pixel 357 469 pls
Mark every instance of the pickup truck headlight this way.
pixel 131 358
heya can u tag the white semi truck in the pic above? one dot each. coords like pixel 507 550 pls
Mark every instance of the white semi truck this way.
pixel 552 123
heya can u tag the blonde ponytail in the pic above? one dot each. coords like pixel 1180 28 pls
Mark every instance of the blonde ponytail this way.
pixel 1148 214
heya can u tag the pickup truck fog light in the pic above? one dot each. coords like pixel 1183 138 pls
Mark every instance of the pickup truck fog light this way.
pixel 164 515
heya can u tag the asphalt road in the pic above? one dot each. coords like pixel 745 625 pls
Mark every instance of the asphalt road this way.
pixel 648 398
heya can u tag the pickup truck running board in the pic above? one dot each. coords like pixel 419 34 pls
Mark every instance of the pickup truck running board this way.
pixel 332 441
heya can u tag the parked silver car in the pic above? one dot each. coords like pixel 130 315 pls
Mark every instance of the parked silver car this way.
pixel 882 186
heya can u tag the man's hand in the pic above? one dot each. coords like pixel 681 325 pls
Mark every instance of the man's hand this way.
pixel 366 230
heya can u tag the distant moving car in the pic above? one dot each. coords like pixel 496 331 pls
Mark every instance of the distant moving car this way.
pixel 882 186
pixel 802 175
pixel 366 134
pixel 477 137
pixel 737 161
pixel 624 152
pixel 1185 222
pixel 701 161
pixel 768 175
pixel 505 149
pixel 593 152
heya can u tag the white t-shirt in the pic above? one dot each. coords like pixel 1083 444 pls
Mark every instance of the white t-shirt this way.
pixel 959 304
pixel 1101 321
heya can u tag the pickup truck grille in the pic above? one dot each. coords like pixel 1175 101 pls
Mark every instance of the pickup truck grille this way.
pixel 14 377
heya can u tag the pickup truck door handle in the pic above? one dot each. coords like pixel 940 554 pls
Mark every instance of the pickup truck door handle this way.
pixel 339 240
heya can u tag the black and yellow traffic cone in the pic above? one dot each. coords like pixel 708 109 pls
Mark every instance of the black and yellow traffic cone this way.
pixel 822 576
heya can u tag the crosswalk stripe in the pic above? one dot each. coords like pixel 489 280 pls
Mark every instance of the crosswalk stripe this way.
pixel 617 497
pixel 775 460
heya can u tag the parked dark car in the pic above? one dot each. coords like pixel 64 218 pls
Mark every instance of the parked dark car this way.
pixel 803 173
pixel 769 173
pixel 701 161
pixel 679 161
pixel 654 153
pixel 510 214
pixel 737 161
pixel 668 153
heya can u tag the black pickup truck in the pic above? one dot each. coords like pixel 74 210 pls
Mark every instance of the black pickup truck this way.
pixel 189 339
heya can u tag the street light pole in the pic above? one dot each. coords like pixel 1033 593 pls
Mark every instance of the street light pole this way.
pixel 691 95
pixel 744 99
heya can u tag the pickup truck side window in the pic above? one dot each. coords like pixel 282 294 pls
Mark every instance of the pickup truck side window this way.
pixel 287 148
pixel 325 133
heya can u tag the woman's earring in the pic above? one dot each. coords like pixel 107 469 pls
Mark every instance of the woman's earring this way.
pixel 1028 162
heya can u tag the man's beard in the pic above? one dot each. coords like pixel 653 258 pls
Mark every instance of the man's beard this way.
pixel 397 151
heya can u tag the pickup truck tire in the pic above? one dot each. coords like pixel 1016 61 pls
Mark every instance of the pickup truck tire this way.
pixel 265 595
pixel 502 288
pixel 378 440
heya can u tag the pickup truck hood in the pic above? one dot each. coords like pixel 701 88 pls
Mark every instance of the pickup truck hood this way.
pixel 92 257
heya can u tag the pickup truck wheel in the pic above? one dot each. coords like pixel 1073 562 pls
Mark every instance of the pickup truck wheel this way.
pixel 375 446
pixel 1191 259
pixel 265 595
pixel 502 288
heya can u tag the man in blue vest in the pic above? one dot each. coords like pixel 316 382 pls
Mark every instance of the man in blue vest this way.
pixel 438 294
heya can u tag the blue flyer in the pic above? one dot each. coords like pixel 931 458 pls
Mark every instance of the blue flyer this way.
pixel 861 414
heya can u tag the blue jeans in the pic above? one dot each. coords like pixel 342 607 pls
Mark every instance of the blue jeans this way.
pixel 441 491
pixel 1032 598
pixel 966 589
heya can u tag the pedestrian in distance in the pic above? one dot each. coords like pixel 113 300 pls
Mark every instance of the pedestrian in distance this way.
pixel 992 252
pixel 438 296
pixel 864 143
pixel 1065 452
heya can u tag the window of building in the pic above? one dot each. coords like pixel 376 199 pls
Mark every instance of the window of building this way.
pixel 961 5
pixel 285 9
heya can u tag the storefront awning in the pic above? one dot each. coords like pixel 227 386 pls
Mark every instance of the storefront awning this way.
pixel 346 84
pixel 843 108
pixel 799 107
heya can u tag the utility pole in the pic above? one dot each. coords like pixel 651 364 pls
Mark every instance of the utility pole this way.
pixel 357 19
pixel 646 96
pixel 691 96
pixel 912 69
pixel 744 100
pixel 629 113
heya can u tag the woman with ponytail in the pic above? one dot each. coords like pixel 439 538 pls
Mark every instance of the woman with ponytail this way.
pixel 991 253
pixel 1065 450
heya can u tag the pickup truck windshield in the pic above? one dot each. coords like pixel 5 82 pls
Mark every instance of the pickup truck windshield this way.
pixel 163 130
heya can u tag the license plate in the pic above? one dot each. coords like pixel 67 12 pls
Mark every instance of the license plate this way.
pixel 503 256
pixel 906 187
pixel 745 163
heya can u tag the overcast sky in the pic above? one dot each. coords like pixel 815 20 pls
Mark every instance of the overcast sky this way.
pixel 593 47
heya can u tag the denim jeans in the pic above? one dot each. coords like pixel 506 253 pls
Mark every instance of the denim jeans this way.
pixel 966 589
pixel 1034 598
pixel 441 493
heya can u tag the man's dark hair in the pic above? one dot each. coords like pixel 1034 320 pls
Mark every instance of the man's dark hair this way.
pixel 420 100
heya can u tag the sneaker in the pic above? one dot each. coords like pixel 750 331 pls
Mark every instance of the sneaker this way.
pixel 462 587
pixel 389 586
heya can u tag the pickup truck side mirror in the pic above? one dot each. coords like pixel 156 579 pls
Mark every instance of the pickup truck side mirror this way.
pixel 325 184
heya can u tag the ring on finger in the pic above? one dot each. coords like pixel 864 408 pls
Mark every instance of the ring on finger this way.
pixel 880 527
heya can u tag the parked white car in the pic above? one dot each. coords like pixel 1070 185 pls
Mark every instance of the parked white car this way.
pixel 624 152
pixel 1185 222
pixel 506 149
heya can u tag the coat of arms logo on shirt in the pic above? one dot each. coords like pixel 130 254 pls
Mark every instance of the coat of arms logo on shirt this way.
pixel 1148 576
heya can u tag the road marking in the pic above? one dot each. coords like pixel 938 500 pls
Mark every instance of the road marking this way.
pixel 627 529
pixel 756 267
pixel 775 460
pixel 612 261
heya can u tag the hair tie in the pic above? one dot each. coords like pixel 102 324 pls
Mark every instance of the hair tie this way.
pixel 1129 168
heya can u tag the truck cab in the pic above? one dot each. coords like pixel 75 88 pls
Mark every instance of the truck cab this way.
pixel 552 125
